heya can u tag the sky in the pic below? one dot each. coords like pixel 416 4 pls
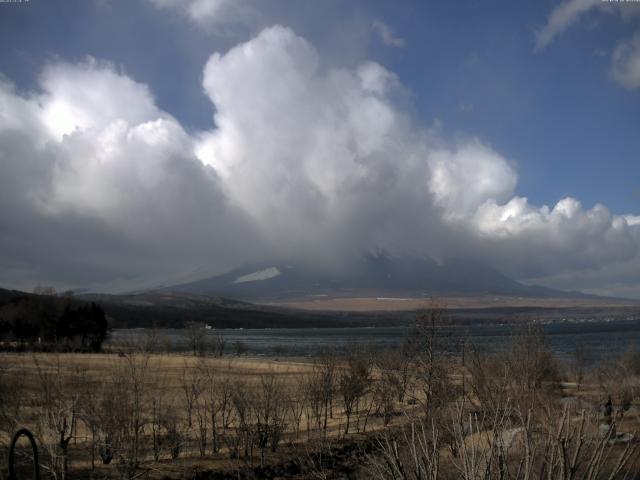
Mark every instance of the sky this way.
pixel 145 142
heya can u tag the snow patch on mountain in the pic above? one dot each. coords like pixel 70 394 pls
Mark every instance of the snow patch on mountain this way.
pixel 265 274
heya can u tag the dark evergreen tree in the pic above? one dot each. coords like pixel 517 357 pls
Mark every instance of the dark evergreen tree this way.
pixel 48 320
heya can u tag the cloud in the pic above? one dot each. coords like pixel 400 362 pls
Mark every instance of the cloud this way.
pixel 564 238
pixel 632 220
pixel 100 187
pixel 361 174
pixel 91 95
pixel 625 58
pixel 387 35
pixel 468 176
pixel 561 18
pixel 306 151
pixel 625 63
pixel 211 13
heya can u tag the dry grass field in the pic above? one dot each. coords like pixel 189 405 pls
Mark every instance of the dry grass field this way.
pixel 176 399
pixel 357 414
pixel 392 304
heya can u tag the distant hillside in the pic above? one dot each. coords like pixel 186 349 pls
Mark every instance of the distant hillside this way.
pixel 372 275
pixel 7 295
pixel 162 309
pixel 175 310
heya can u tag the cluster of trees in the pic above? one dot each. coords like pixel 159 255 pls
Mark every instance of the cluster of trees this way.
pixel 548 440
pixel 510 419
pixel 133 412
pixel 47 321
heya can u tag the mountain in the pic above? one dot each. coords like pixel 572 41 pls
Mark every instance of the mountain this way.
pixel 374 274
pixel 8 295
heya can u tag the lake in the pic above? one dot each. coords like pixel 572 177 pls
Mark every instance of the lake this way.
pixel 602 338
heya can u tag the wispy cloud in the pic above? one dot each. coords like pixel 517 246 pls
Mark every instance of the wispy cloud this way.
pixel 560 19
pixel 387 35
pixel 212 13
pixel 625 63
pixel 466 107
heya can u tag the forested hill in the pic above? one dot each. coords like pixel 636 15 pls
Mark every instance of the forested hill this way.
pixel 176 310
pixel 169 310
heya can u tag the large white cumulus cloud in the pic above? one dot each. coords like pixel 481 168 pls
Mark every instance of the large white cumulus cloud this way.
pixel 327 155
pixel 315 156
pixel 100 187
pixel 303 160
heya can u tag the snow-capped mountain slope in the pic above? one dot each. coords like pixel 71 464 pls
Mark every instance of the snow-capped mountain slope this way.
pixel 377 274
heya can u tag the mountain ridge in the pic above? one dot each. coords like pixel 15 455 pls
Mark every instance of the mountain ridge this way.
pixel 370 275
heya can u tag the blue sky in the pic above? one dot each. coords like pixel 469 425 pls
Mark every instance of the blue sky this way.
pixel 558 116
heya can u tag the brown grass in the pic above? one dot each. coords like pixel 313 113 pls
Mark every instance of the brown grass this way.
pixel 387 304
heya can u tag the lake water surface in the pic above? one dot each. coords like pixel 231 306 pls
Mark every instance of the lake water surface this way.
pixel 601 338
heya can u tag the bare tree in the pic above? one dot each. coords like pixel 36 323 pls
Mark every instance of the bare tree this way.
pixel 395 367
pixel 202 414
pixel 210 405
pixel 527 374
pixel 533 369
pixel 224 397
pixel 59 403
pixel 243 405
pixel 429 348
pixel 161 412
pixel 354 380
pixel 313 398
pixel 413 456
pixel 270 413
pixel 383 395
pixel 151 341
pixel 296 404
pixel 501 445
pixel 191 384
pixel 88 407
pixel 490 379
pixel 217 344
pixel 194 334
pixel 123 414
pixel 581 357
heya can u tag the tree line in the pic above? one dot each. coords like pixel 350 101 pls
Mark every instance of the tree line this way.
pixel 47 321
